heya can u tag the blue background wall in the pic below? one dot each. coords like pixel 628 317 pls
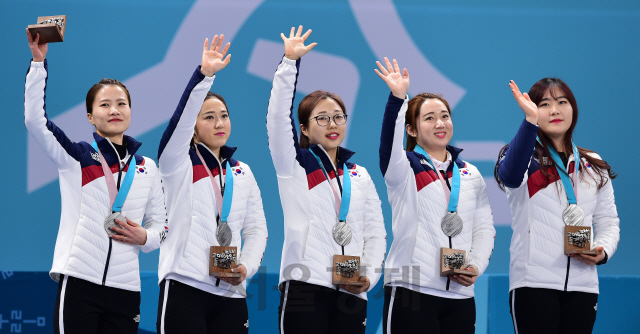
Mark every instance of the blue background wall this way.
pixel 476 46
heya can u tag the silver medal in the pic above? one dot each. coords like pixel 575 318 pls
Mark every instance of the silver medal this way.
pixel 573 215
pixel 451 224
pixel 342 233
pixel 111 222
pixel 223 234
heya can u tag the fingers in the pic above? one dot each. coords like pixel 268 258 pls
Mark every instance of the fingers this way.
pixel 130 223
pixel 227 60
pixel 284 39
pixel 206 44
pixel 405 74
pixel 293 32
pixel 29 38
pixel 226 48
pixel 382 69
pixel 389 68
pixel 299 33
pixel 311 46
pixel 214 42
pixel 306 34
pixel 395 66
pixel 219 44
pixel 526 96
pixel 515 90
pixel 380 75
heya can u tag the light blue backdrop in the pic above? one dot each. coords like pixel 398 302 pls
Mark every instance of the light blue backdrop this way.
pixel 468 51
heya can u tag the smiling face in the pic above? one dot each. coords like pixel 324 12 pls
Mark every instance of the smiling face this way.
pixel 555 114
pixel 434 128
pixel 111 113
pixel 330 136
pixel 213 126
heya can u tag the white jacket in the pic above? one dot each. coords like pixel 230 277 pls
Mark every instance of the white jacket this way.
pixel 418 204
pixel 537 244
pixel 83 249
pixel 191 204
pixel 308 201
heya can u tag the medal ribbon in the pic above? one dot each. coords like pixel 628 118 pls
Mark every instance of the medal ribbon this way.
pixel 224 207
pixel 116 197
pixel 342 206
pixel 572 196
pixel 452 195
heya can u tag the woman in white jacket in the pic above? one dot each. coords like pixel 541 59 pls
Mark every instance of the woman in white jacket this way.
pixel 100 184
pixel 311 177
pixel 206 189
pixel 551 292
pixel 419 180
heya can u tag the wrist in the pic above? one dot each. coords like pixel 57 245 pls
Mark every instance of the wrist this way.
pixel 532 120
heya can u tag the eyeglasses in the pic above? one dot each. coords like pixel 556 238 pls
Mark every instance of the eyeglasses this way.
pixel 324 120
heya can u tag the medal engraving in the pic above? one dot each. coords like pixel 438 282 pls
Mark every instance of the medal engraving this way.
pixel 454 261
pixel 348 268
pixel 573 215
pixel 224 259
pixel 111 222
pixel 223 234
pixel 451 224
pixel 342 233
pixel 579 238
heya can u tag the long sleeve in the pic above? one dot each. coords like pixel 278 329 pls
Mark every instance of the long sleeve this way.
pixel 254 232
pixel 606 224
pixel 514 162
pixel 375 237
pixel 394 164
pixel 483 235
pixel 60 149
pixel 283 139
pixel 155 215
pixel 174 144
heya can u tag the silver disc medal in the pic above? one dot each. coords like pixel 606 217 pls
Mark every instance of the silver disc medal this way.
pixel 573 215
pixel 111 222
pixel 223 234
pixel 451 224
pixel 342 233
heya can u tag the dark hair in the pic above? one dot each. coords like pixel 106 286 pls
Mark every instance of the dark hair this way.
pixel 556 86
pixel 91 94
pixel 306 107
pixel 413 112
pixel 211 95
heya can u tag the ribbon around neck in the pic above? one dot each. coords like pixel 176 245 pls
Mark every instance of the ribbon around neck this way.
pixel 572 195
pixel 454 195
pixel 117 197
pixel 342 205
pixel 223 203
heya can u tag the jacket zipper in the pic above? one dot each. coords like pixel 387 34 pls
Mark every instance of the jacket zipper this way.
pixel 106 265
pixel 566 280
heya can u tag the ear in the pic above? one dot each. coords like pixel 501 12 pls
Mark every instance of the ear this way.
pixel 304 130
pixel 411 131
pixel 90 118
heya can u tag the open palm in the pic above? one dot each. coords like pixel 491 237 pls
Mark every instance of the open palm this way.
pixel 294 47
pixel 524 101
pixel 397 82
pixel 213 59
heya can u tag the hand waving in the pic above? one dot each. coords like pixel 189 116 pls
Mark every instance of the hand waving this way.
pixel 397 82
pixel 38 51
pixel 213 59
pixel 294 47
pixel 524 101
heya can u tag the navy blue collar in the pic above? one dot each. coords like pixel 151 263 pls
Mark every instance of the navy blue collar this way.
pixel 226 152
pixel 455 152
pixel 343 156
pixel 109 152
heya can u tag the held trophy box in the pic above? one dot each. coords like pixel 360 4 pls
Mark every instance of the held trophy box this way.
pixel 453 262
pixel 221 260
pixel 346 270
pixel 577 240
pixel 51 28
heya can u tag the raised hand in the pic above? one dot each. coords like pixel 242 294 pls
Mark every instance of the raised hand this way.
pixel 213 59
pixel 38 51
pixel 294 47
pixel 524 101
pixel 397 82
